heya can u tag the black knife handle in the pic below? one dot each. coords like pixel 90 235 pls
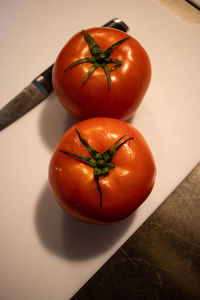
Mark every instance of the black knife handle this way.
pixel 44 80
pixel 118 24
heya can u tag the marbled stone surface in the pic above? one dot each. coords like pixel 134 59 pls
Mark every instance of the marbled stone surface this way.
pixel 162 259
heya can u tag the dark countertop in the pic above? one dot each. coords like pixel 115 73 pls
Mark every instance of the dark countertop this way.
pixel 162 259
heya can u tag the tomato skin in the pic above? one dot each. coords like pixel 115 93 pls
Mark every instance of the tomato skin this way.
pixel 123 189
pixel 95 99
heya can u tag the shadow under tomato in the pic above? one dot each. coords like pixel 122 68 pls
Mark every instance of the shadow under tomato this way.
pixel 54 121
pixel 67 237
pixel 130 119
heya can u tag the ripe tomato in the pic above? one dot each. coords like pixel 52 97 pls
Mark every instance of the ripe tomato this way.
pixel 115 177
pixel 95 98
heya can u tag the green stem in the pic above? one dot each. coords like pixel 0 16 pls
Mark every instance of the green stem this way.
pixel 90 72
pixel 100 162
pixel 85 159
pixel 99 58
pixel 99 189
pixel 106 69
pixel 118 64
pixel 94 47
pixel 115 144
pixel 111 48
pixel 87 146
pixel 119 146
pixel 79 61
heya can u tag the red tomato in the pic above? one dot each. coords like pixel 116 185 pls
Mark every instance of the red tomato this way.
pixel 119 192
pixel 95 98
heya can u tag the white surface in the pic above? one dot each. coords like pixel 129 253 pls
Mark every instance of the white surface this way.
pixel 44 254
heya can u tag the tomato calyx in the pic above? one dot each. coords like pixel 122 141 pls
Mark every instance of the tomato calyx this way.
pixel 100 162
pixel 99 58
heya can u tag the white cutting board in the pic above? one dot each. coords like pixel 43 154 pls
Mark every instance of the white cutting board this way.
pixel 45 254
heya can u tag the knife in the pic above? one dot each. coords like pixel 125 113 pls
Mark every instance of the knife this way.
pixel 38 89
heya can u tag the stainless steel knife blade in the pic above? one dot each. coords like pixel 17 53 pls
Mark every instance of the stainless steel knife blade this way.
pixel 27 99
pixel 38 89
